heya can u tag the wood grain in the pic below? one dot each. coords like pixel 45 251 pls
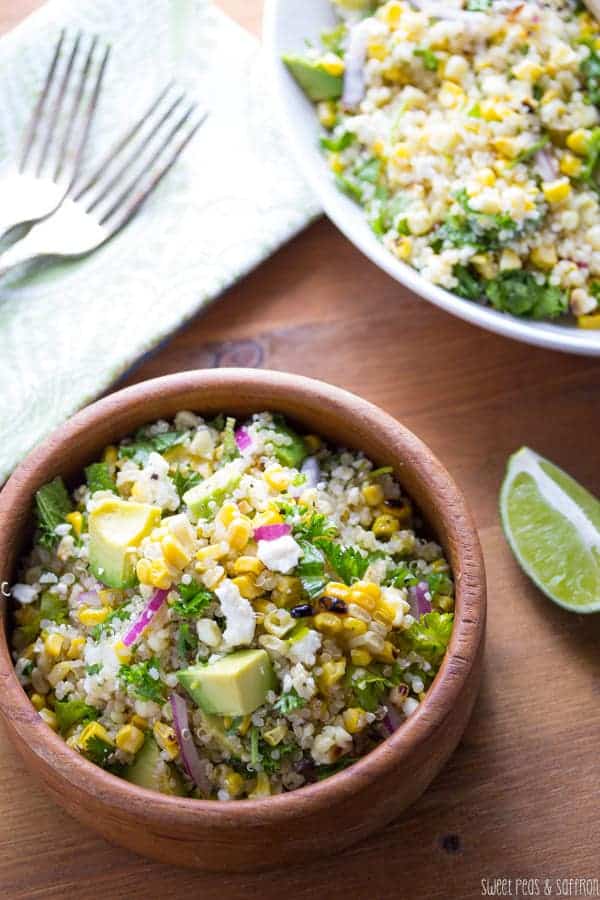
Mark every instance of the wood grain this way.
pixel 520 796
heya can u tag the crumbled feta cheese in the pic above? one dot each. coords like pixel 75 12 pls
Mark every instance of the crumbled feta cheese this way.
pixel 409 706
pixel 24 593
pixel 103 653
pixel 280 555
pixel 396 598
pixel 304 650
pixel 208 632
pixel 240 617
pixel 333 742
pixel 301 681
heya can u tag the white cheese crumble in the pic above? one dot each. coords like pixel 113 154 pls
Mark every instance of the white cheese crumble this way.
pixel 396 598
pixel 333 742
pixel 280 555
pixel 24 593
pixel 240 617
pixel 304 650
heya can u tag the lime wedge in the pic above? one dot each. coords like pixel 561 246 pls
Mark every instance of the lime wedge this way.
pixel 553 527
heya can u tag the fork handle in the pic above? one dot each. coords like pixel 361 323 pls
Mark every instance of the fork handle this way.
pixel 22 251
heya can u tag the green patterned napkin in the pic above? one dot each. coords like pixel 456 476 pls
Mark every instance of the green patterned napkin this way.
pixel 67 330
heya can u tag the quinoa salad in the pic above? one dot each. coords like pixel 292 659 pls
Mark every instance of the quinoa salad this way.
pixel 227 610
pixel 470 135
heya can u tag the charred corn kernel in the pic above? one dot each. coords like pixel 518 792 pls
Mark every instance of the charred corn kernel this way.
pixel 332 672
pixel 212 552
pixel 174 552
pixel 38 701
pixel 355 719
pixel 354 627
pixel 89 616
pixel 312 442
pixel 246 585
pixel 59 672
pixel 129 738
pixel 578 141
pixel 386 655
pixel 556 191
pixel 404 248
pixel 391 13
pixel 589 321
pixel 332 64
pixel 275 735
pixel 76 646
pixel 75 520
pixel 570 165
pixel 239 533
pixel 328 623
pixel 244 565
pixel 227 513
pixel 327 113
pixel 262 787
pixel 94 730
pixel 234 784
pixel 53 645
pixel 110 455
pixel 122 652
pixel 373 494
pixel 527 71
pixel 401 510
pixel 139 722
pixel 166 739
pixel 336 163
pixel 377 50
pixel 509 260
pixel 484 265
pixel 337 589
pixel 385 526
pixel 506 146
pixel 544 257
pixel 49 718
pixel 360 656
pixel 244 725
pixel 159 576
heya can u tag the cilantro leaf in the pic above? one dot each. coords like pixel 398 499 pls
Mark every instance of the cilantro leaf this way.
pixel 184 481
pixel 311 569
pixel 478 5
pixel 368 687
pixel 53 505
pixel 140 678
pixel 193 599
pixel 475 229
pixel 590 70
pixel 430 60
pixel 339 142
pixel 334 40
pixel 98 478
pixel 97 751
pixel 592 155
pixel 347 562
pixel 186 640
pixel 333 768
pixel 429 636
pixel 518 292
pixel 288 702
pixel 469 286
pixel 529 151
pixel 313 526
pixel 94 669
pixel 230 448
pixel 140 449
pixel 69 712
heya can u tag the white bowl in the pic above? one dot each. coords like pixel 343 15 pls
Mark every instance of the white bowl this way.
pixel 287 23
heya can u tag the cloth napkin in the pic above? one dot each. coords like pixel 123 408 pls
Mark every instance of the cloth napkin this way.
pixel 69 329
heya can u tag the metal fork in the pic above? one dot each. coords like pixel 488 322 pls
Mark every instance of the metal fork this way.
pixel 55 139
pixel 109 199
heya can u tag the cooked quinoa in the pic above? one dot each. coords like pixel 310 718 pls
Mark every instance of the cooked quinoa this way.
pixel 470 135
pixel 229 611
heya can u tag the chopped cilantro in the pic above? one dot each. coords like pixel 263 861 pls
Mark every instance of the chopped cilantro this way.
pixel 339 142
pixel 478 5
pixel 469 286
pixel 311 569
pixel 140 678
pixel 475 229
pixel 333 768
pixel 368 687
pixel 97 751
pixel 592 155
pixel 193 599
pixel 518 292
pixel 475 111
pixel 314 525
pixel 98 478
pixel 529 151
pixel 230 448
pixel 288 702
pixel 347 562
pixel 143 445
pixel 53 505
pixel 184 481
pixel 186 640
pixel 429 636
pixel 94 669
pixel 54 607
pixel 334 40
pixel 590 71
pixel 430 60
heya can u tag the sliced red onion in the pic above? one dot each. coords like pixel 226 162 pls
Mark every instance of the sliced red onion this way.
pixel 354 71
pixel 152 607
pixel 88 597
pixel 422 594
pixel 243 439
pixel 189 754
pixel 312 472
pixel 271 532
pixel 392 719
pixel 546 164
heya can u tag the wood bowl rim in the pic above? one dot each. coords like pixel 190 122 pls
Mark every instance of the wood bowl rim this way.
pixel 155 808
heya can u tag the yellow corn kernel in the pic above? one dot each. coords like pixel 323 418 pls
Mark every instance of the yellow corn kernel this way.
pixel 239 533
pixel 59 672
pixel 578 141
pixel 391 13
pixel 268 517
pixel 328 623
pixel 362 599
pixel 166 739
pixel 506 146
pixel 384 527
pixel 590 321
pixel 244 725
pixel 527 71
pixel 234 783
pixel 38 701
pixel 544 257
pixel 244 565
pixel 75 520
pixel 94 730
pixel 89 616
pixel 386 655
pixel 368 587
pixel 549 95
pixel 377 50
pixel 360 657
pixel 354 627
pixel 262 787
pixel 142 570
pixel 327 113
pixel 332 64
pixel 486 177
pixel 450 94
pixel 139 722
pixel 570 165
pixel 373 494
pixel 337 589
pixel 76 645
pixel 402 510
pixel 212 552
pixel 402 151
pixel 378 148
pixel 332 673
pixel 355 719
pixel 275 735
pixel 159 576
pixel 444 601
pixel 246 585
pixel 110 455
pixel 174 552
pixel 384 614
pixel 489 111
pixel 53 645
pixel 556 191
pixel 129 738
pixel 509 260
pixel 484 265
pixel 49 718
pixel 277 478
pixel 227 513
pixel 336 163
pixel 262 606
pixel 403 248
pixel 122 652
pixel 312 442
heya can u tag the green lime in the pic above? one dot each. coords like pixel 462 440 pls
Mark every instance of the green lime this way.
pixel 553 527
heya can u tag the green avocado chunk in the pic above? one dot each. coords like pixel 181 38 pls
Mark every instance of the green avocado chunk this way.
pixel 294 453
pixel 116 527
pixel 149 770
pixel 213 489
pixel 214 727
pixel 235 685
pixel 316 83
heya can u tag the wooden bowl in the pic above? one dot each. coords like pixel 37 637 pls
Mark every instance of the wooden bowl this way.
pixel 321 818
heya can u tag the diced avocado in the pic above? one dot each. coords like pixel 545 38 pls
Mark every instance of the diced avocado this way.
pixel 149 770
pixel 315 81
pixel 214 727
pixel 294 453
pixel 54 607
pixel 69 712
pixel 213 489
pixel 116 527
pixel 235 685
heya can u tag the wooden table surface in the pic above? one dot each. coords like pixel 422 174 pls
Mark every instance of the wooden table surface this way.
pixel 519 798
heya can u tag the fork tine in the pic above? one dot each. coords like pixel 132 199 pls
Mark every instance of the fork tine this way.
pixel 89 115
pixel 74 110
pixel 132 208
pixel 39 106
pixel 134 155
pixel 58 103
pixel 121 144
